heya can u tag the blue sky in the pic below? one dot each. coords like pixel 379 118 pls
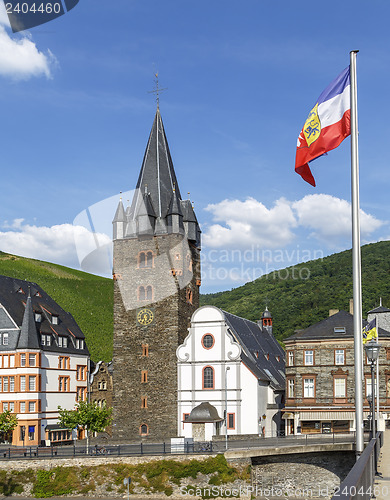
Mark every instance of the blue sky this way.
pixel 241 78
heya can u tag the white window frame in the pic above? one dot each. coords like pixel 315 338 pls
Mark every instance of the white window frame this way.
pixel 23 383
pixel 32 383
pixel 290 358
pixel 339 356
pixel 340 387
pixel 309 357
pixel 291 388
pixel 308 387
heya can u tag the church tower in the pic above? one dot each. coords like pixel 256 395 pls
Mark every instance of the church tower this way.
pixel 156 290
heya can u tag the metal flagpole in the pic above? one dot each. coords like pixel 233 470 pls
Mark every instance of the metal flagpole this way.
pixel 377 372
pixel 356 262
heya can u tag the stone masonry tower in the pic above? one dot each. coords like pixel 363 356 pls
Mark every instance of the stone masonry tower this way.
pixel 156 290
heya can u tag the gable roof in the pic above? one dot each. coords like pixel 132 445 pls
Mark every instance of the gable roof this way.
pixel 257 345
pixel 19 302
pixel 325 329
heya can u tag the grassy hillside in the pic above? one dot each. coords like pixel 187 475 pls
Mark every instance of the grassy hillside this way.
pixel 87 297
pixel 297 303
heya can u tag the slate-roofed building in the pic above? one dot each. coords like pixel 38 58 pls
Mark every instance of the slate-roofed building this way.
pixel 156 290
pixel 43 361
pixel 320 377
pixel 235 365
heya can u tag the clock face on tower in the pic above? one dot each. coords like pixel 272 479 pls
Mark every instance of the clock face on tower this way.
pixel 145 317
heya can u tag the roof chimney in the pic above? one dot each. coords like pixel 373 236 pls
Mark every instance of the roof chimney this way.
pixel 351 306
pixel 333 311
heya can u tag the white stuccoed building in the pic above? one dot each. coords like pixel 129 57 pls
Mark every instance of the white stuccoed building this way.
pixel 43 362
pixel 230 366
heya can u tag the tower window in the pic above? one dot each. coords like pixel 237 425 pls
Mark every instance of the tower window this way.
pixel 145 350
pixel 208 377
pixel 144 402
pixel 144 376
pixel 145 292
pixel 189 295
pixel 144 430
pixel 146 259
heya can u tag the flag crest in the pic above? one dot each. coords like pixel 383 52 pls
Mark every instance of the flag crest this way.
pixel 328 124
pixel 370 332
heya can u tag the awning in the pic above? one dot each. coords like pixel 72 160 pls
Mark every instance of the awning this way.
pixel 288 415
pixel 329 415
pixel 56 427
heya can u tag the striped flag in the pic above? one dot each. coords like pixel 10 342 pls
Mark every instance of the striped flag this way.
pixel 327 125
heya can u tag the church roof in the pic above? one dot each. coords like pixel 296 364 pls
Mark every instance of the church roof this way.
pixel 120 215
pixel 261 352
pixel 157 195
pixel 20 302
pixel 157 174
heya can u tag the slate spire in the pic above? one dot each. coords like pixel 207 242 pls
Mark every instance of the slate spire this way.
pixel 28 338
pixel 157 172
pixel 119 222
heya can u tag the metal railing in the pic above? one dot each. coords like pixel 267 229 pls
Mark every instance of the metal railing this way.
pixel 168 448
pixel 359 484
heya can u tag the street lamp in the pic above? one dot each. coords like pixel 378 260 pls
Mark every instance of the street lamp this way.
pixel 226 415
pixel 372 352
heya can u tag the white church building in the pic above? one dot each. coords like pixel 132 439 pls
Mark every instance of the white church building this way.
pixel 231 373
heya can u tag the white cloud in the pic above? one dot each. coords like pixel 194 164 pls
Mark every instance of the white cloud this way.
pixel 242 224
pixel 249 223
pixel 330 217
pixel 20 58
pixel 53 244
pixel 3 15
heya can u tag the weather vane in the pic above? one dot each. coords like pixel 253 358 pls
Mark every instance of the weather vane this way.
pixel 157 90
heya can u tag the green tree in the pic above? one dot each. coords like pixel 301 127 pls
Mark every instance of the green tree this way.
pixel 8 422
pixel 87 416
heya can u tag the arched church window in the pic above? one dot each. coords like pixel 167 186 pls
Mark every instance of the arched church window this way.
pixel 208 377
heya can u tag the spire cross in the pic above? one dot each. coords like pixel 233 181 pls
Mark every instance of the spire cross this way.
pixel 157 90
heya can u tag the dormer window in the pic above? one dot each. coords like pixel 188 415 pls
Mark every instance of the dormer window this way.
pixel 54 320
pixel 5 338
pixel 339 330
pixel 38 317
pixel 46 339
pixel 62 342
pixel 79 344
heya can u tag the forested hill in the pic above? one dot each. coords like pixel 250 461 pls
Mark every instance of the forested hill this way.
pixel 297 303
